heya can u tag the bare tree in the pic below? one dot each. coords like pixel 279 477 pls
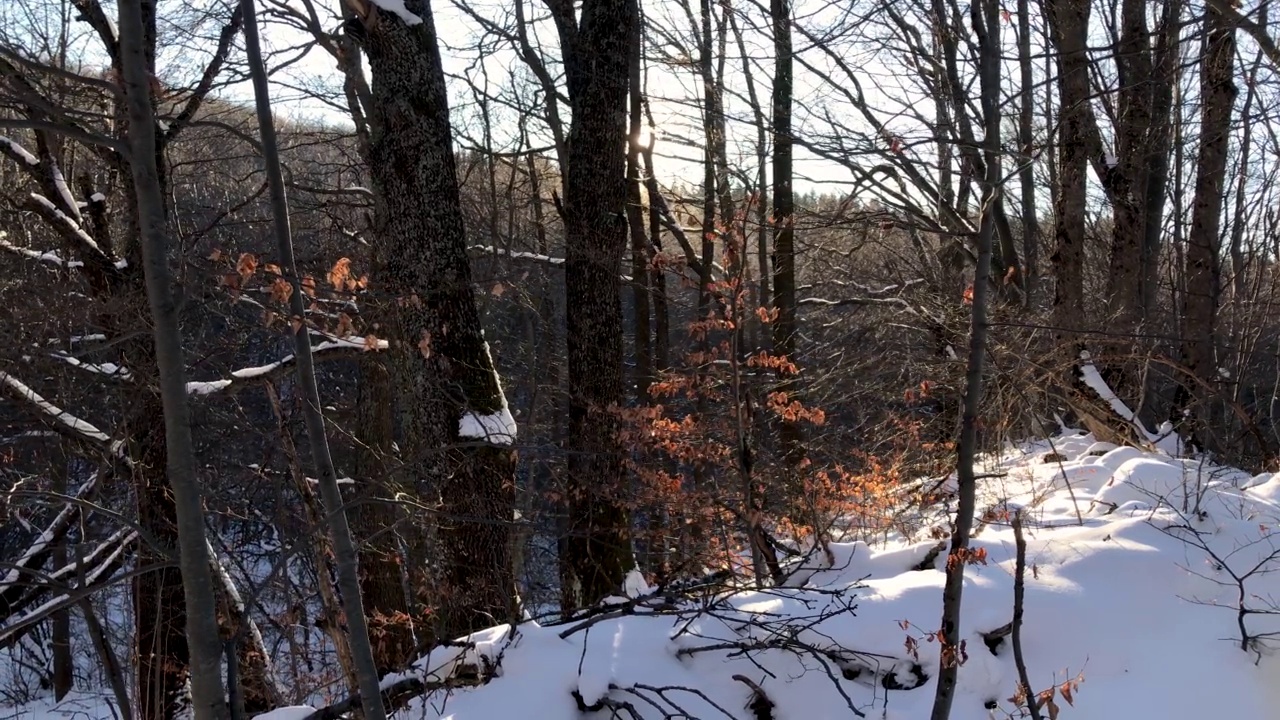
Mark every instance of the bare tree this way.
pixel 208 698
pixel 597 550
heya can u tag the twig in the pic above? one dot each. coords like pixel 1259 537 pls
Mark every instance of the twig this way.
pixel 1019 587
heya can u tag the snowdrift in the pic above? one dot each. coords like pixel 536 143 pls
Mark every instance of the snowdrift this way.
pixel 1138 565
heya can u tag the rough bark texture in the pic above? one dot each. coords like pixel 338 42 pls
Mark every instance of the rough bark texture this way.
pixel 1070 21
pixel 387 585
pixel 598 547
pixel 1204 272
pixel 1026 139
pixel 162 648
pixel 784 252
pixel 441 362
pixel 136 60
pixel 640 248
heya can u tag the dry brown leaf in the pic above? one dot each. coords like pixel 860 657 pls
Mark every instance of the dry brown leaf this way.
pixel 339 273
pixel 216 255
pixel 370 342
pixel 281 289
pixel 247 265
pixel 424 345
pixel 345 328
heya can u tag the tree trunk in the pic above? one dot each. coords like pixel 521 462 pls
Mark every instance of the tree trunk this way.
pixel 791 435
pixel 986 22
pixel 63 661
pixel 207 696
pixel 458 429
pixel 1070 22
pixel 598 548
pixel 390 571
pixel 640 252
pixel 163 652
pixel 1204 271
pixel 1026 139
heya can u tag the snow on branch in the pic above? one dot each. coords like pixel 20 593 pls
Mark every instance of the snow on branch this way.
pixel 557 262
pixel 109 369
pixel 106 559
pixel 49 257
pixel 330 346
pixel 69 422
pixel 19 153
pixel 518 255
pixel 68 224
pixel 397 7
pixel 498 427
pixel 35 554
pixel 1091 377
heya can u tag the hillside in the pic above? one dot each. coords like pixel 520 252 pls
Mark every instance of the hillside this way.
pixel 1136 567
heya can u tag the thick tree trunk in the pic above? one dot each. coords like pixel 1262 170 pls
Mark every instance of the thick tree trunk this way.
pixel 1204 271
pixel 1070 22
pixel 388 579
pixel 441 360
pixel 598 548
pixel 163 652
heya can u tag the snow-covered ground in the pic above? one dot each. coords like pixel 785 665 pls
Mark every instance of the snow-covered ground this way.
pixel 1138 567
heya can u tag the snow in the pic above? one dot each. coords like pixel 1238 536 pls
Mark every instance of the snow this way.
pixel 109 369
pixel 1130 588
pixel 397 7
pixel 1125 590
pixel 97 198
pixel 83 427
pixel 50 257
pixel 64 192
pixel 20 151
pixel 1091 377
pixel 293 712
pixel 210 387
pixel 71 223
pixel 516 254
pixel 497 427
pixel 207 387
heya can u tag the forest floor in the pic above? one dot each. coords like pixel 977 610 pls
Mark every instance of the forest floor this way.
pixel 1144 577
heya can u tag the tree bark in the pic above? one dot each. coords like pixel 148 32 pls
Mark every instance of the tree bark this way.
pixel 390 571
pixel 598 548
pixel 1204 271
pixel 207 696
pixel 791 435
pixel 1027 155
pixel 441 361
pixel 986 23
pixel 640 251
pixel 1070 22
pixel 344 548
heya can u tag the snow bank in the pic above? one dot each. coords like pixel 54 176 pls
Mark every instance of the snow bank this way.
pixel 1126 590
